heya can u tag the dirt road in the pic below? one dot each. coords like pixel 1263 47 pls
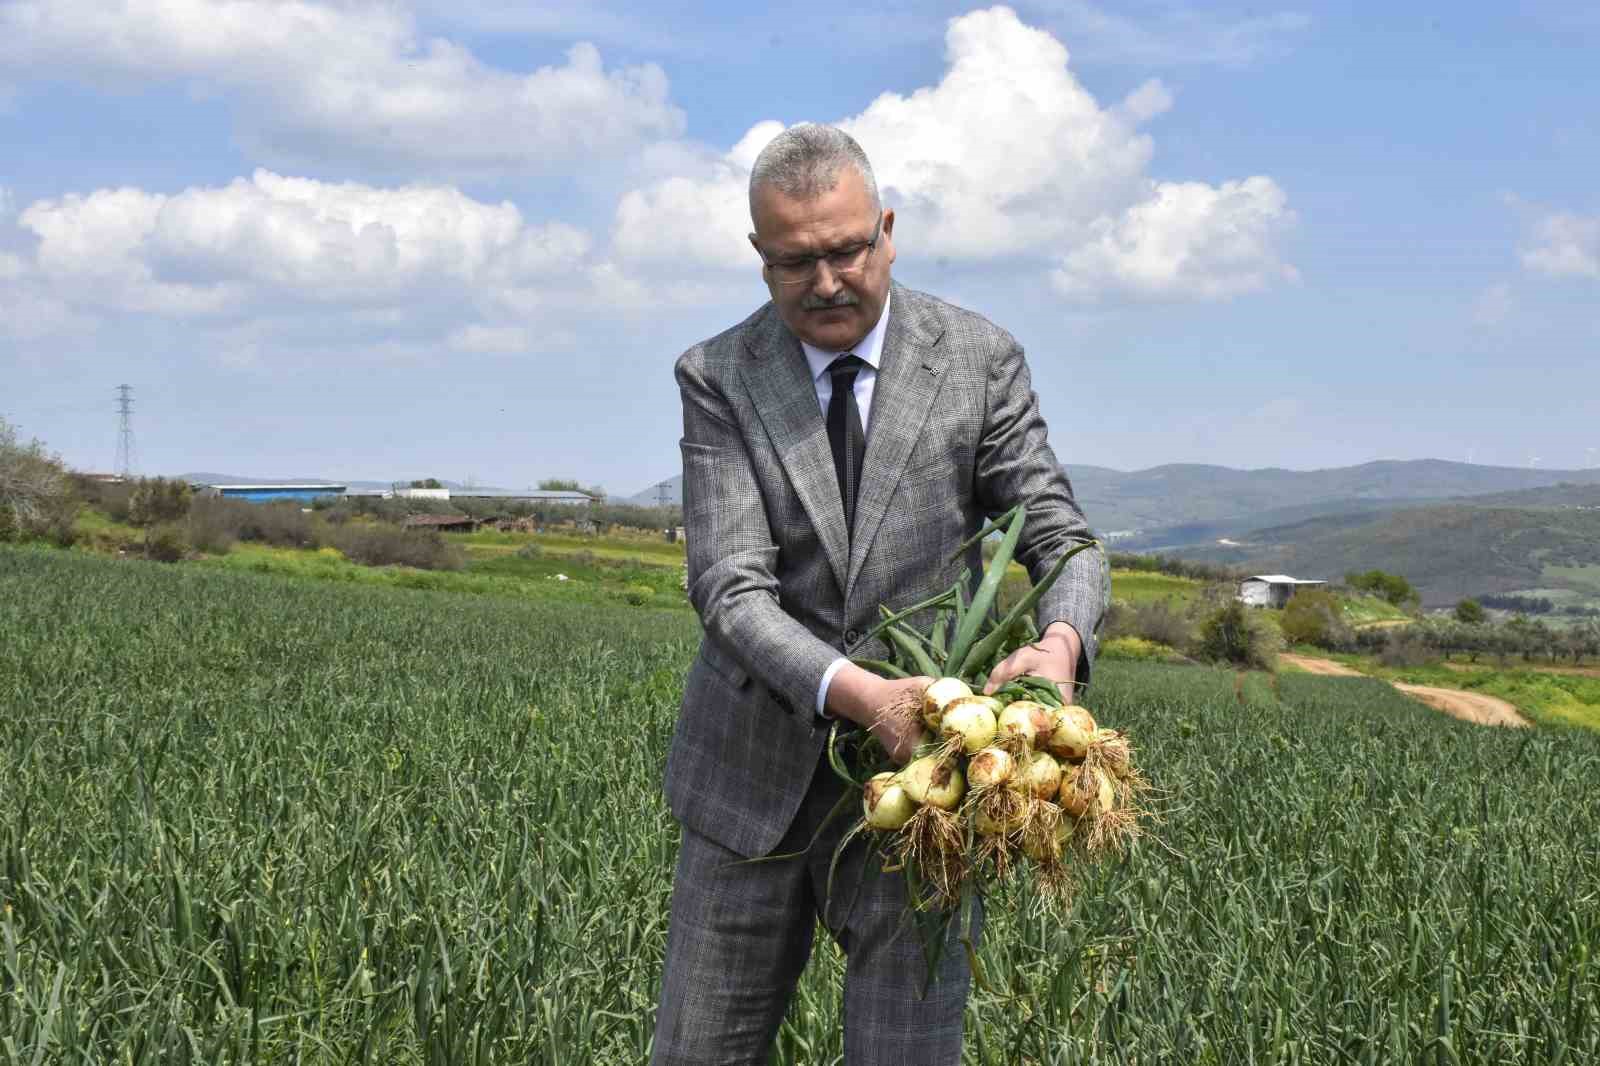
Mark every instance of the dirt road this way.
pixel 1468 706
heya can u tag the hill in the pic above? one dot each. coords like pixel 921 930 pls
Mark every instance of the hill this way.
pixel 1189 503
pixel 1448 551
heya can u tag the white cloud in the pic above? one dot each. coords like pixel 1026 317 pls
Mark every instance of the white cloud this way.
pixel 1175 34
pixel 1007 159
pixel 350 80
pixel 1564 245
pixel 272 261
pixel 310 240
pixel 1189 240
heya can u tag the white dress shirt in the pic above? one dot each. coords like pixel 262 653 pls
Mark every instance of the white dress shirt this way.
pixel 869 351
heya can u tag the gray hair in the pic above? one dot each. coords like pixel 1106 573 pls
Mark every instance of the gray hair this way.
pixel 805 160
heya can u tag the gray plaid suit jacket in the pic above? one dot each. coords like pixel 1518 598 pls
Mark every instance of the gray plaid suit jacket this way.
pixel 954 437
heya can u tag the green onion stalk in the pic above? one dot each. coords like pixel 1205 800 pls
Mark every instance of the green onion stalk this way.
pixel 1020 782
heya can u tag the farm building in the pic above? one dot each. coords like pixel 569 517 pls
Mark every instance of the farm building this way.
pixel 268 493
pixel 523 495
pixel 1271 590
pixel 444 523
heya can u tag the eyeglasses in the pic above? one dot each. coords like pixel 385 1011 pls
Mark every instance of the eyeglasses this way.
pixel 800 269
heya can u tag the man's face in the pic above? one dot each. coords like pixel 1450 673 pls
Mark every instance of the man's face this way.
pixel 832 310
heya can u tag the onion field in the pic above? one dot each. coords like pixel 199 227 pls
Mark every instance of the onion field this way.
pixel 247 818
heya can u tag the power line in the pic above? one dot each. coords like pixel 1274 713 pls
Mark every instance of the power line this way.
pixel 125 449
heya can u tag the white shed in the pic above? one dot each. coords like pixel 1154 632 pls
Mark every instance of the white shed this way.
pixel 1271 590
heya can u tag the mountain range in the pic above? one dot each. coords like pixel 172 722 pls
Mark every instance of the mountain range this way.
pixel 1452 529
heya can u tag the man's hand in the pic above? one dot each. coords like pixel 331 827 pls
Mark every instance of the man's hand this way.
pixel 1054 655
pixel 870 701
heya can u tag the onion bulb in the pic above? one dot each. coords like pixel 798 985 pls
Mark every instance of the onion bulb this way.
pixel 1072 734
pixel 1016 721
pixel 990 767
pixel 990 826
pixel 1114 751
pixel 1041 775
pixel 1045 844
pixel 1080 788
pixel 937 695
pixel 885 803
pixel 934 781
pixel 970 719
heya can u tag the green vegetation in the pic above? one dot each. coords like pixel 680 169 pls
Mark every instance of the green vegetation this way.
pixel 1391 588
pixel 1447 551
pixel 351 824
pixel 1549 698
pixel 1133 586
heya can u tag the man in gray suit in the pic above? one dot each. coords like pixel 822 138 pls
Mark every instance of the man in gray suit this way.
pixel 838 445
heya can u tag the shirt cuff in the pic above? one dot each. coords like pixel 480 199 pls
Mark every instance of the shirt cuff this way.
pixel 822 689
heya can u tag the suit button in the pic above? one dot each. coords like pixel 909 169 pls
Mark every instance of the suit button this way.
pixel 852 635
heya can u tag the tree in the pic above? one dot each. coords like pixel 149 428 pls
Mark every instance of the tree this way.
pixel 35 494
pixel 1470 613
pixel 156 500
pixel 1390 587
pixel 570 484
pixel 1312 616
pixel 426 483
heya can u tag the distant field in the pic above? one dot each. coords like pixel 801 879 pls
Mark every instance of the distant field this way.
pixel 1549 698
pixel 255 820
pixel 1139 586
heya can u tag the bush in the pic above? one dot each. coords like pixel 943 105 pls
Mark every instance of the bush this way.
pixel 1470 612
pixel 1313 616
pixel 530 550
pixel 157 500
pixel 1404 648
pixel 1391 587
pixel 384 545
pixel 165 544
pixel 280 523
pixel 35 494
pixel 638 594
pixel 1234 634
pixel 1164 621
pixel 211 526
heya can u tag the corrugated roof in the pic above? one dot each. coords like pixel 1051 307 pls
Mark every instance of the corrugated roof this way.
pixel 527 494
pixel 282 488
pixel 1283 579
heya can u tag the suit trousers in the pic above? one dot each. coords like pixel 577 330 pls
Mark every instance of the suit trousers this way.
pixel 741 934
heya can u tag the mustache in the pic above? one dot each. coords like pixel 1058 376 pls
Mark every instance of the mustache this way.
pixel 842 298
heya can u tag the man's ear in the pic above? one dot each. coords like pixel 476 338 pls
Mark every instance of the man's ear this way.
pixel 887 236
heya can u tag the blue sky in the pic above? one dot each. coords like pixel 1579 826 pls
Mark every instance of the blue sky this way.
pixel 358 240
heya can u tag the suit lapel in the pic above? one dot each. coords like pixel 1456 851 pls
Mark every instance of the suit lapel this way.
pixel 779 381
pixel 909 376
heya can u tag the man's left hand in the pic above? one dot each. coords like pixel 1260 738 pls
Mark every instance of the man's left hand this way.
pixel 1054 655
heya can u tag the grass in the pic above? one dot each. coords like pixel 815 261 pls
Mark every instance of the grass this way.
pixel 1140 586
pixel 1362 610
pixel 1137 649
pixel 252 819
pixel 1547 698
pixel 505 575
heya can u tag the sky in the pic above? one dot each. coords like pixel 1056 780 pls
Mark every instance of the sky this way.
pixel 467 240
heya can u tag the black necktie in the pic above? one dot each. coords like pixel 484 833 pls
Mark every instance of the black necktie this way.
pixel 845 434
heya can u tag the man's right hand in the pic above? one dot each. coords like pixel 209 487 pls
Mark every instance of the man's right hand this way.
pixel 864 698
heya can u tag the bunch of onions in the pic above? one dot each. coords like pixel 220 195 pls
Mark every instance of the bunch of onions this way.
pixel 1020 779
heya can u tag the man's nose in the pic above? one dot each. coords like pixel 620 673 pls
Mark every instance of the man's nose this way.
pixel 825 283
